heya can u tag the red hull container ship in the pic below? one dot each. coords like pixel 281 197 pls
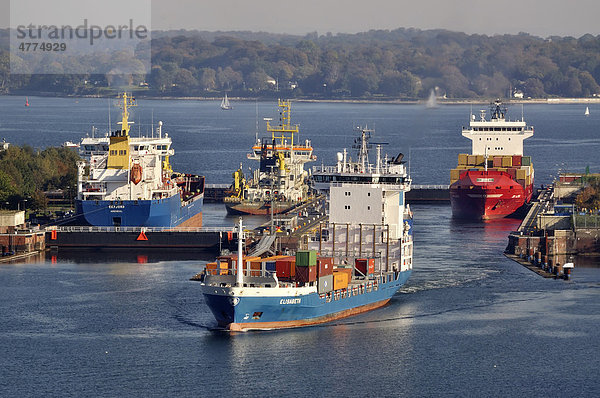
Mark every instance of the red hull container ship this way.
pixel 496 179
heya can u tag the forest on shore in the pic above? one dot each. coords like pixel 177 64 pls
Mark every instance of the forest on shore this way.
pixel 26 173
pixel 405 64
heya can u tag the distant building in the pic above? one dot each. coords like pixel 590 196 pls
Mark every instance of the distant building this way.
pixel 4 145
pixel 518 94
pixel 11 220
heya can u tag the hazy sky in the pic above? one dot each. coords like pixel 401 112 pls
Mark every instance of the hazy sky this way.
pixel 538 17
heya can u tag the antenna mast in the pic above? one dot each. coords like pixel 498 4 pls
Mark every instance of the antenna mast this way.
pixel 109 123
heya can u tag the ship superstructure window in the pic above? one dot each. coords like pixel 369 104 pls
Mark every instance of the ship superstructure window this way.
pixel 361 179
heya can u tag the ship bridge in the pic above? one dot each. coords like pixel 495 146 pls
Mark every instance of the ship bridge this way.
pixel 498 135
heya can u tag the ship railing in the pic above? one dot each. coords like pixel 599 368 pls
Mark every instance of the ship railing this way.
pixel 76 228
pixel 443 186
pixel 586 221
pixel 217 186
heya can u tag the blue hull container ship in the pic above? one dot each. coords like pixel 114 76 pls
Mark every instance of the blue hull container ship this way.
pixel 128 182
pixel 354 262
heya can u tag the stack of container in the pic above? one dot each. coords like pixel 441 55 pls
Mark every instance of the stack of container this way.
pixel 324 266
pixel 217 268
pixel 310 269
pixel 340 280
pixel 252 266
pixel 306 266
pixel 364 266
pixel 517 166
pixel 270 263
pixel 286 268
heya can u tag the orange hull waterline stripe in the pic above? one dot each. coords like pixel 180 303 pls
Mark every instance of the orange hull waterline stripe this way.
pixel 240 327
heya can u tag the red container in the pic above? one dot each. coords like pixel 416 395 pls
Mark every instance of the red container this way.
pixel 512 172
pixel 365 266
pixel 324 266
pixel 306 274
pixel 286 267
pixel 516 161
pixel 497 161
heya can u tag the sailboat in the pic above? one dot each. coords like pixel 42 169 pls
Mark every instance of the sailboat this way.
pixel 587 111
pixel 26 101
pixel 225 104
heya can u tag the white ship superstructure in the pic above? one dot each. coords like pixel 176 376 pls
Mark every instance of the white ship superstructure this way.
pixel 368 213
pixel 497 136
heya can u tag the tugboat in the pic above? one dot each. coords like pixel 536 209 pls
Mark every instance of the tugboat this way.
pixel 128 181
pixel 496 179
pixel 353 263
pixel 280 179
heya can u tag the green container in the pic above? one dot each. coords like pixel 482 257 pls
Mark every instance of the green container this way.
pixel 306 258
pixel 526 161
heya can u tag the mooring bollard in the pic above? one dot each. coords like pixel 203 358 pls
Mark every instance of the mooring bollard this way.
pixel 567 269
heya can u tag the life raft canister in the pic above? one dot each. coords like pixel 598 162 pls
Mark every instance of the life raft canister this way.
pixel 136 173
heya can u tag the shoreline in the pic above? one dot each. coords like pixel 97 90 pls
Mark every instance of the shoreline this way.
pixel 440 102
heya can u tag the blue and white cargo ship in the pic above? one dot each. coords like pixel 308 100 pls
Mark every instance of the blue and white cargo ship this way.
pixel 362 255
pixel 127 181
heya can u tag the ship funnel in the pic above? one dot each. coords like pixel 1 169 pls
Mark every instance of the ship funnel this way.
pixel 340 158
pixel 398 159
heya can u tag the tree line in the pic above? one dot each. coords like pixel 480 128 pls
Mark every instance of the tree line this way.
pixel 25 174
pixel 399 64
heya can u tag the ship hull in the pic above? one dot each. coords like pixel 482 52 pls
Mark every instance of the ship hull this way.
pixel 241 312
pixel 487 195
pixel 167 212
pixel 258 208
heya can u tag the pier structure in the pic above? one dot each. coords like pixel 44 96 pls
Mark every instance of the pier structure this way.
pixel 288 227
pixel 16 239
pixel 554 230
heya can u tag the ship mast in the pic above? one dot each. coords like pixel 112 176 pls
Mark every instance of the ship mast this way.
pixel 285 124
pixel 240 270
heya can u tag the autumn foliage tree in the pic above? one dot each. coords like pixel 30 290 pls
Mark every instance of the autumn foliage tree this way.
pixel 25 174
pixel 589 198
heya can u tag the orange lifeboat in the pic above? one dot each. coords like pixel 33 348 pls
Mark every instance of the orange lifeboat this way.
pixel 136 173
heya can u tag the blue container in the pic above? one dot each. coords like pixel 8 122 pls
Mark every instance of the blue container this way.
pixel 271 266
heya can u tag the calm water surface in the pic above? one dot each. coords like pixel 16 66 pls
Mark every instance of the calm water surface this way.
pixel 469 322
